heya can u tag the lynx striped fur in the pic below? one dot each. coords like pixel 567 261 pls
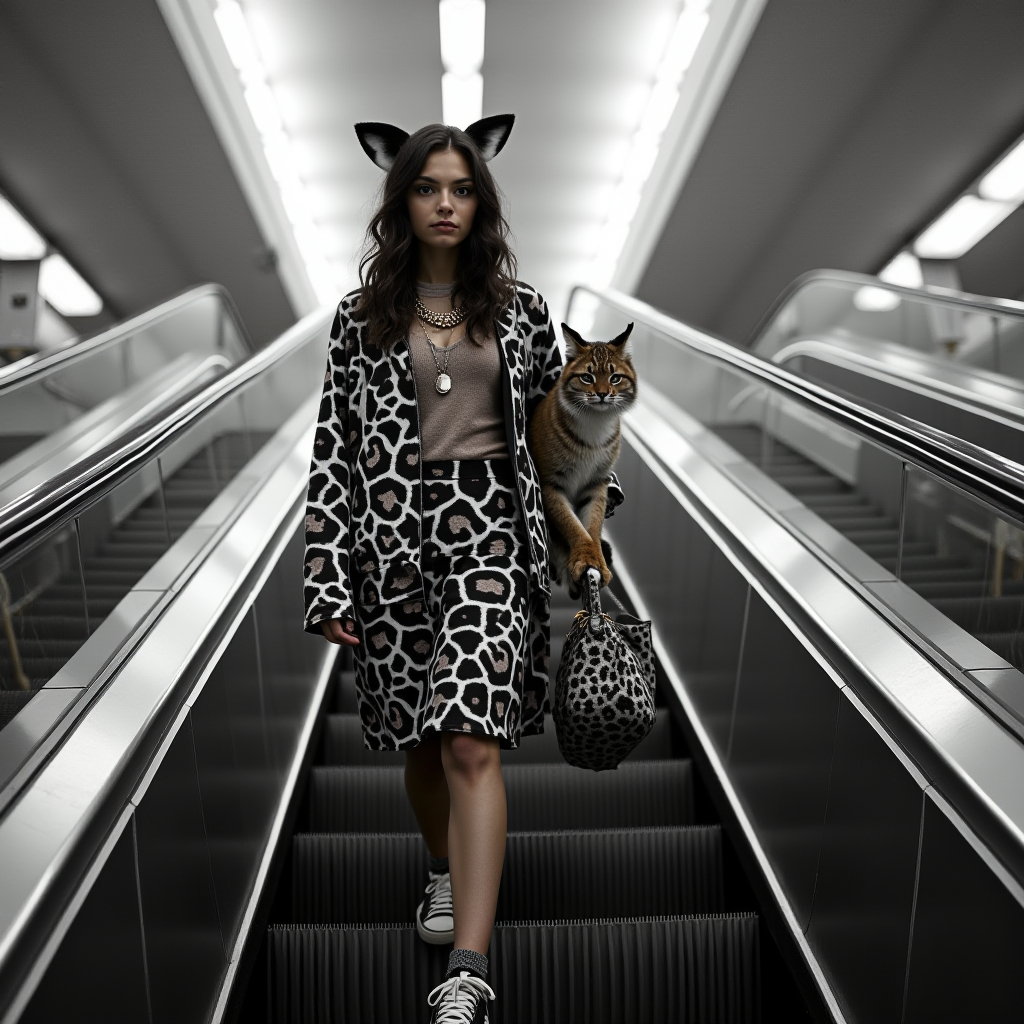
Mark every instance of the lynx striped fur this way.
pixel 574 440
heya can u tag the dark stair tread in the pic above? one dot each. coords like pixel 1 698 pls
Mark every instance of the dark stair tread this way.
pixel 673 970
pixel 346 878
pixel 637 794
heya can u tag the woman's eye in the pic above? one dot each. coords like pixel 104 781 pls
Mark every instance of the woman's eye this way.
pixel 587 378
pixel 424 190
pixel 462 191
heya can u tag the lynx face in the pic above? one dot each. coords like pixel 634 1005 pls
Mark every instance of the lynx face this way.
pixel 599 375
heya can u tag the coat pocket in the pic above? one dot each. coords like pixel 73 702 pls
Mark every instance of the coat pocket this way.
pixel 397 579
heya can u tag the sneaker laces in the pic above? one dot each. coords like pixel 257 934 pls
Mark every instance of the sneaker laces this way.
pixel 439 894
pixel 457 998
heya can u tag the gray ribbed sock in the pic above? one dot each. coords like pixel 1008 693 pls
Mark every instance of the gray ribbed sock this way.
pixel 467 960
pixel 438 865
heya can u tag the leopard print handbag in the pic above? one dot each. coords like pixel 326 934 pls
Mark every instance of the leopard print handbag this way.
pixel 604 688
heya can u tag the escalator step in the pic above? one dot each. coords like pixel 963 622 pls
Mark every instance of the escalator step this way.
pixel 343 745
pixel 639 793
pixel 377 879
pixel 984 614
pixel 977 586
pixel 682 970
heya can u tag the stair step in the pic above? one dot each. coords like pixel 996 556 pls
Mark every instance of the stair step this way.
pixel 375 879
pixel 637 794
pixel 672 970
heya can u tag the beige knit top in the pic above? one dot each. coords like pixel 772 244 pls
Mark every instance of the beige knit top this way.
pixel 469 421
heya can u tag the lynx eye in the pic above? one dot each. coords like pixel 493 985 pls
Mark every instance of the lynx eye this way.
pixel 587 378
pixel 615 378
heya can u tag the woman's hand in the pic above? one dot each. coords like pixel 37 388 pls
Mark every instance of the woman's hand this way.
pixel 340 631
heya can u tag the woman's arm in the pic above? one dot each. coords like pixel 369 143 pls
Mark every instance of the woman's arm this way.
pixel 327 588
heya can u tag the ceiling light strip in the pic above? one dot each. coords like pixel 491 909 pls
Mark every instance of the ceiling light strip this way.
pixel 59 283
pixel 662 98
pixel 462 30
pixel 277 147
pixel 965 222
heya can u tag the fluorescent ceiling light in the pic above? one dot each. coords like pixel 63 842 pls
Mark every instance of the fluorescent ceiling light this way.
pixel 63 288
pixel 875 300
pixel 18 239
pixel 657 112
pixel 462 36
pixel 1005 182
pixel 904 269
pixel 462 98
pixel 277 148
pixel 960 228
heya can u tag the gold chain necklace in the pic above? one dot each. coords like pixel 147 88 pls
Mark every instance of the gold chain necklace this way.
pixel 442 320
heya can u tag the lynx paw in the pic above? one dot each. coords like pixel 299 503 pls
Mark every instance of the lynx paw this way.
pixel 586 558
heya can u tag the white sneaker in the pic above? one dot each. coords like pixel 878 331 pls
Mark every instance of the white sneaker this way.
pixel 434 920
pixel 460 1000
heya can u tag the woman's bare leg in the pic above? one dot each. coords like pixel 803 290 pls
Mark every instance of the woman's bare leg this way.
pixel 477 824
pixel 427 789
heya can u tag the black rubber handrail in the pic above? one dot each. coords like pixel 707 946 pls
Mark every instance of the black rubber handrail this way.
pixel 56 501
pixel 24 371
pixel 933 294
pixel 991 477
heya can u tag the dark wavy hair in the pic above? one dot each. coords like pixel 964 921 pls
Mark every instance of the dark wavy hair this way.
pixel 486 272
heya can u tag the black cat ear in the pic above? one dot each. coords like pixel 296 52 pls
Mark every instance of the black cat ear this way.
pixel 574 342
pixel 491 133
pixel 622 338
pixel 380 142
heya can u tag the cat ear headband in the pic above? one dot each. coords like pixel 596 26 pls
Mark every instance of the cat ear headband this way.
pixel 381 142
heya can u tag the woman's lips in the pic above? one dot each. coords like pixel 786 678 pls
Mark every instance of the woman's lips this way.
pixel 446 226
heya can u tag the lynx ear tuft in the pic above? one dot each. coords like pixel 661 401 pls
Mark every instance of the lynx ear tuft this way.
pixel 574 342
pixel 491 133
pixel 621 341
pixel 381 142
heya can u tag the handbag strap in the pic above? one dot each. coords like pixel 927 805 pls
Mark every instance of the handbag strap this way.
pixel 592 600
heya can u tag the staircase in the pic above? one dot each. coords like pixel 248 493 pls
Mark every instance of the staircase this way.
pixel 610 910
pixel 959 584
pixel 52 625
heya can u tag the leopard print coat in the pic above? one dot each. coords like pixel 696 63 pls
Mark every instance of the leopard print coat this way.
pixel 364 505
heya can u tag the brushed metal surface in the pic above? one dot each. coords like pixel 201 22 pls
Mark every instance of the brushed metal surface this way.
pixel 31 726
pixel 107 930
pixel 118 627
pixel 780 751
pixel 184 947
pixel 834 545
pixel 864 895
pixel 968 940
pixel 1006 685
pixel 934 628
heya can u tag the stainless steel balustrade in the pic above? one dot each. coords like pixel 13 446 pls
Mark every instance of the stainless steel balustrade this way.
pixel 68 398
pixel 86 558
pixel 145 822
pixel 868 746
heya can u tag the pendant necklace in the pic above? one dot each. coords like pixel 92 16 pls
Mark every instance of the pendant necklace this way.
pixel 443 383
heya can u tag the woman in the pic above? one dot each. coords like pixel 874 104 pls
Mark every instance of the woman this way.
pixel 426 548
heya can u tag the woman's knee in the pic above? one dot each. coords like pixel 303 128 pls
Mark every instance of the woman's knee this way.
pixel 470 756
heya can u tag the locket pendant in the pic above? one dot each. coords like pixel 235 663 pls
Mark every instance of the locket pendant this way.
pixel 443 384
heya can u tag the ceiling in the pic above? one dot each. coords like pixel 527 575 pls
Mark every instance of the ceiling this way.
pixel 574 72
pixel 848 125
pixel 108 150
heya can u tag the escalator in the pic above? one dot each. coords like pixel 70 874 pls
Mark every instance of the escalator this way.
pixel 823 821
pixel 61 406
pixel 608 879
pixel 951 360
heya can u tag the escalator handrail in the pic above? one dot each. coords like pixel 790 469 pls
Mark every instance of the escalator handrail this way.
pixel 31 368
pixel 57 501
pixel 995 479
pixel 933 294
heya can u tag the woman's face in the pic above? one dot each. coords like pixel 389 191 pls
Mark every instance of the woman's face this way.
pixel 442 200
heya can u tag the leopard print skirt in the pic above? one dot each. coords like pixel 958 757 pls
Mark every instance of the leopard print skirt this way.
pixel 453 661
